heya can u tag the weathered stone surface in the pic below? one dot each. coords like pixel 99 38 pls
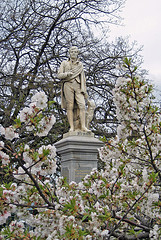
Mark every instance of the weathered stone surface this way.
pixel 79 154
pixel 79 134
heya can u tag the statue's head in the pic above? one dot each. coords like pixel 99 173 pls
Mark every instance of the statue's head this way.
pixel 73 52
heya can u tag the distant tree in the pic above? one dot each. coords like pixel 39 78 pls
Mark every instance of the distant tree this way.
pixel 103 68
pixel 35 37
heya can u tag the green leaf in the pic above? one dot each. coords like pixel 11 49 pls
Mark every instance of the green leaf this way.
pixel 84 217
pixel 153 176
pixel 17 123
pixel 127 61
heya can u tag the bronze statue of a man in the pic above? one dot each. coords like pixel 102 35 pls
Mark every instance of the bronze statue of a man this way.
pixel 73 88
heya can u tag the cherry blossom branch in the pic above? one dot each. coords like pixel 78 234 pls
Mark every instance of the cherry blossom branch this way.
pixel 125 237
pixel 48 190
pixel 115 183
pixel 132 223
pixel 28 206
pixel 125 215
pixel 36 184
pixel 151 156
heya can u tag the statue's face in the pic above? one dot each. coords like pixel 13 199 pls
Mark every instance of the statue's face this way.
pixel 73 53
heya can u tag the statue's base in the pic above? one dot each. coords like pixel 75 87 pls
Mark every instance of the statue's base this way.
pixel 78 133
pixel 78 151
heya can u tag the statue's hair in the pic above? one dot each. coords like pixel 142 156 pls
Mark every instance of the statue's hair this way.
pixel 73 47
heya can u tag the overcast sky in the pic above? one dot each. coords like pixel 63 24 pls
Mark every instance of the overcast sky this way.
pixel 142 22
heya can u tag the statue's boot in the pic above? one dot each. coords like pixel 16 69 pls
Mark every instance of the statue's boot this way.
pixel 70 119
pixel 82 119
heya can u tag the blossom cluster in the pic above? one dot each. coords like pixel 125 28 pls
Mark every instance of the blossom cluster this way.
pixel 30 164
pixel 9 132
pixel 34 119
pixel 40 162
pixel 122 200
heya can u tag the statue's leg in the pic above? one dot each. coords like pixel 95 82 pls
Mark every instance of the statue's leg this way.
pixel 69 97
pixel 83 121
pixel 70 119
pixel 81 104
pixel 76 117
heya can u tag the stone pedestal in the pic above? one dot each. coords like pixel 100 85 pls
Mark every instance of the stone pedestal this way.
pixel 79 154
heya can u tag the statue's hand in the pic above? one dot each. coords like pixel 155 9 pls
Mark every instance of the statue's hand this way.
pixel 69 74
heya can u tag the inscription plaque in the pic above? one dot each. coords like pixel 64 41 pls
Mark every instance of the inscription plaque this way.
pixel 81 172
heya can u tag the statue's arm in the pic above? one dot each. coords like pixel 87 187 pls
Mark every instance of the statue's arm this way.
pixel 62 74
